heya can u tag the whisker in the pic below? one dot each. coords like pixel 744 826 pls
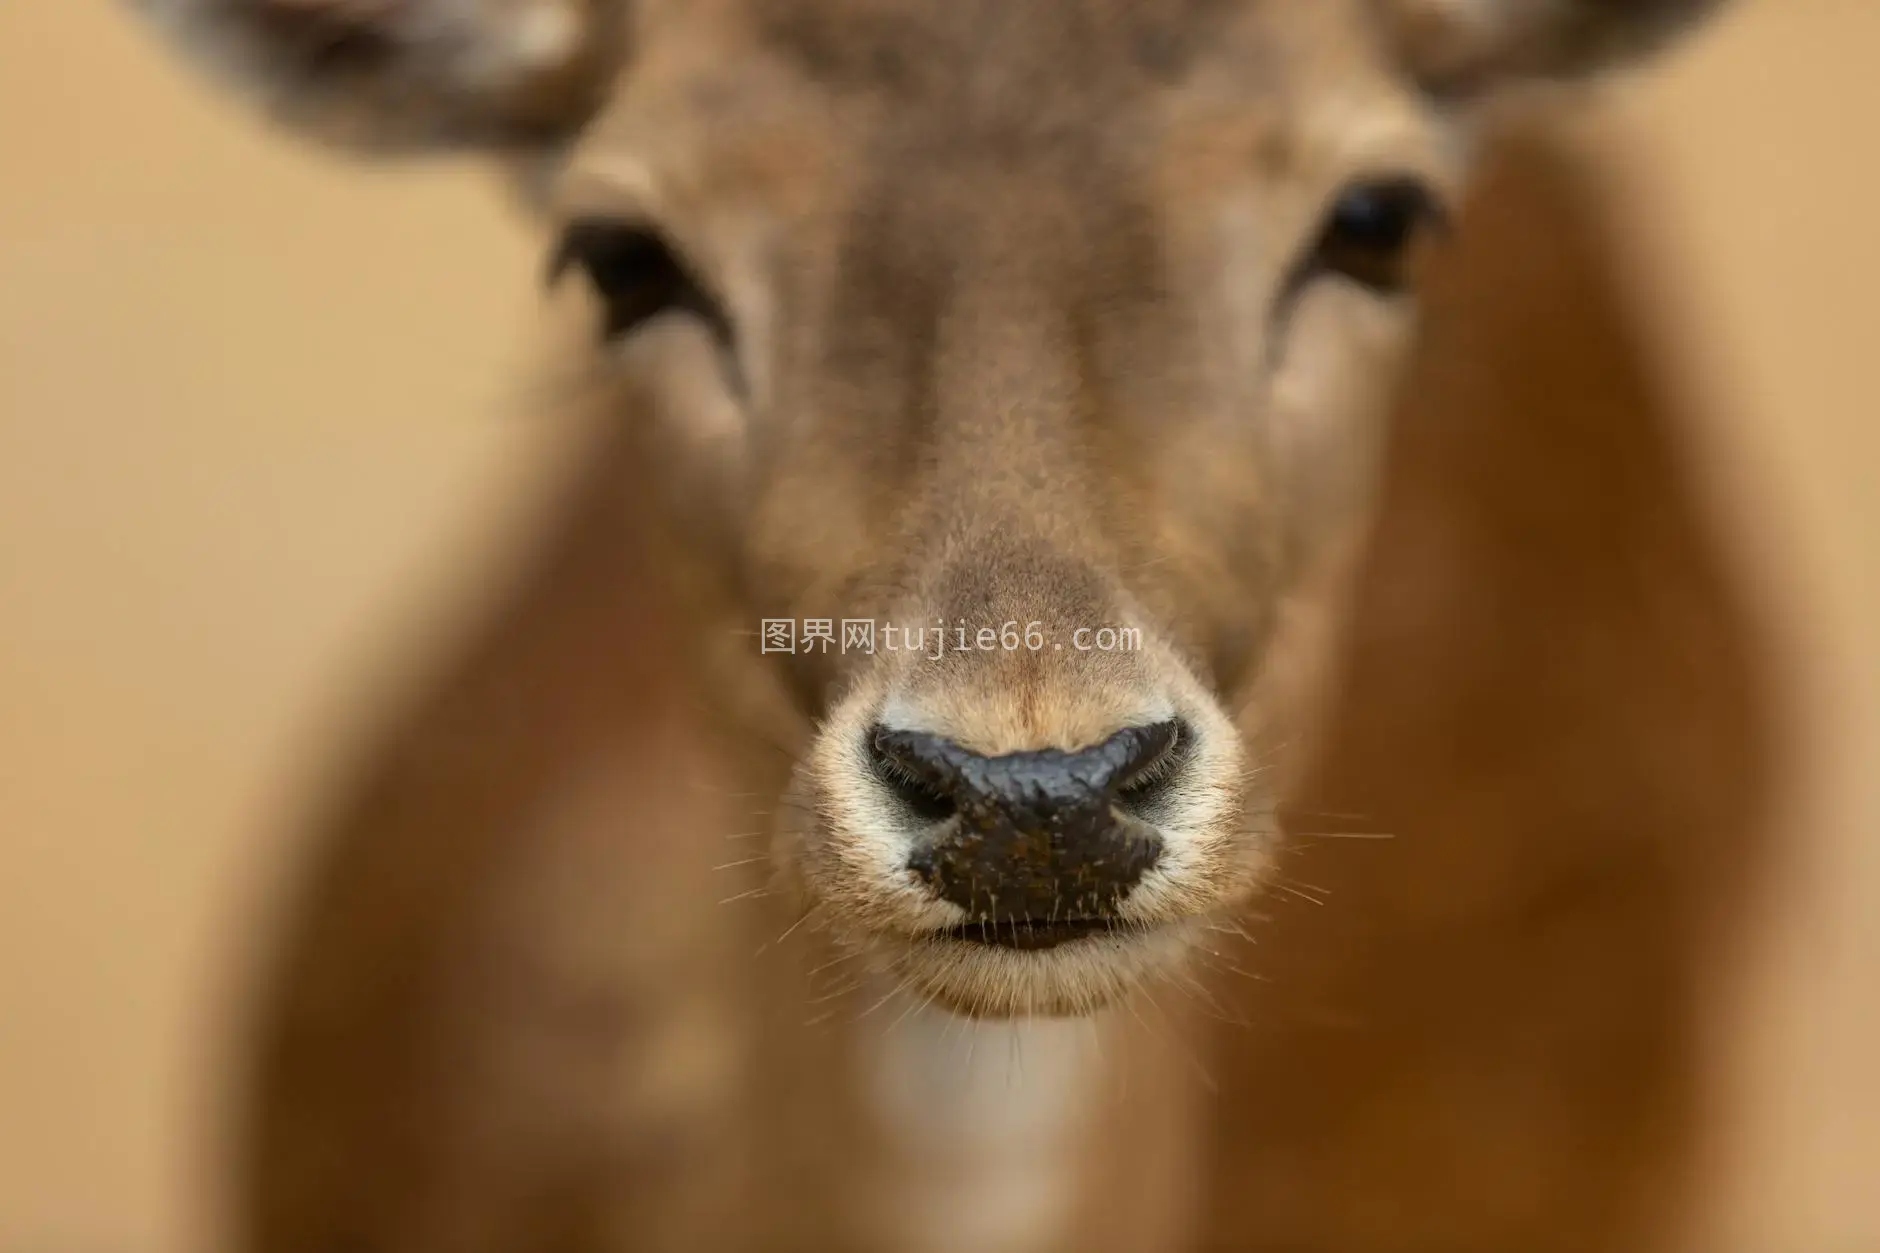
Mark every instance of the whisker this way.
pixel 891 994
pixel 701 785
pixel 1283 886
pixel 1197 993
pixel 1229 926
pixel 791 929
pixel 1096 1040
pixel 1186 1055
pixel 832 963
pixel 1345 835
pixel 913 1005
pixel 1220 962
pixel 834 993
pixel 1345 816
pixel 740 730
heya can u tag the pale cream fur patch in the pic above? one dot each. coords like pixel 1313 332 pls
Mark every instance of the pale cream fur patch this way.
pixel 981 1126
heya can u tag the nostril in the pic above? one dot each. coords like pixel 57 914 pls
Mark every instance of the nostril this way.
pixel 922 796
pixel 1148 784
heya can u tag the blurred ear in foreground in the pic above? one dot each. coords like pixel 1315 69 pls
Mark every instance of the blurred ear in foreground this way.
pixel 1459 46
pixel 404 75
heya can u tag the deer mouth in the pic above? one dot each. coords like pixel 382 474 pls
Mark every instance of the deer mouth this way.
pixel 1030 934
pixel 1040 967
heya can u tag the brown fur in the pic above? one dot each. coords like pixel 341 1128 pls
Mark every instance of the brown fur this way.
pixel 1009 344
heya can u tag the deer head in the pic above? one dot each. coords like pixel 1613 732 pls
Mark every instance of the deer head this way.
pixel 1048 339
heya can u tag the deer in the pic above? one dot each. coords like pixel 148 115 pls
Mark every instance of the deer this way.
pixel 1000 330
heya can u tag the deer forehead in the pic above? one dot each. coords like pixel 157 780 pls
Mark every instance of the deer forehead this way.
pixel 787 105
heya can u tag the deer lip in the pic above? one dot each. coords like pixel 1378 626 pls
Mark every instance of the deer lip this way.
pixel 1028 934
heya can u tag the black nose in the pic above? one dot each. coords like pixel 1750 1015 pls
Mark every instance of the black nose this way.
pixel 1033 846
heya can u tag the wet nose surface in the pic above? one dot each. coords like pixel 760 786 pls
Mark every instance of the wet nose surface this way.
pixel 1039 844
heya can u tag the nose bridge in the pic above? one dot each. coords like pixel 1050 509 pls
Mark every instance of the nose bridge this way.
pixel 1000 254
pixel 1010 416
pixel 1003 524
pixel 1013 490
pixel 1019 642
pixel 991 573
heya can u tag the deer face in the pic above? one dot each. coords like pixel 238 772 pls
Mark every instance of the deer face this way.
pixel 1046 340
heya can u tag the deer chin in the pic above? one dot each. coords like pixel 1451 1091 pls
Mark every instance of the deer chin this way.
pixel 1010 973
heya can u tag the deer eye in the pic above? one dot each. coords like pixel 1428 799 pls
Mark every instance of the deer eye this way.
pixel 635 274
pixel 1370 233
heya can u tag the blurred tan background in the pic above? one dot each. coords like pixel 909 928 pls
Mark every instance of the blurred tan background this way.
pixel 264 434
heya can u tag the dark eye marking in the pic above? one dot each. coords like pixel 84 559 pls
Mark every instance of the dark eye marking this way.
pixel 1371 231
pixel 636 275
pixel 1368 237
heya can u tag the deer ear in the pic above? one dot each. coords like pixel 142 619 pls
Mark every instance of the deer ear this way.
pixel 1463 45
pixel 403 75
